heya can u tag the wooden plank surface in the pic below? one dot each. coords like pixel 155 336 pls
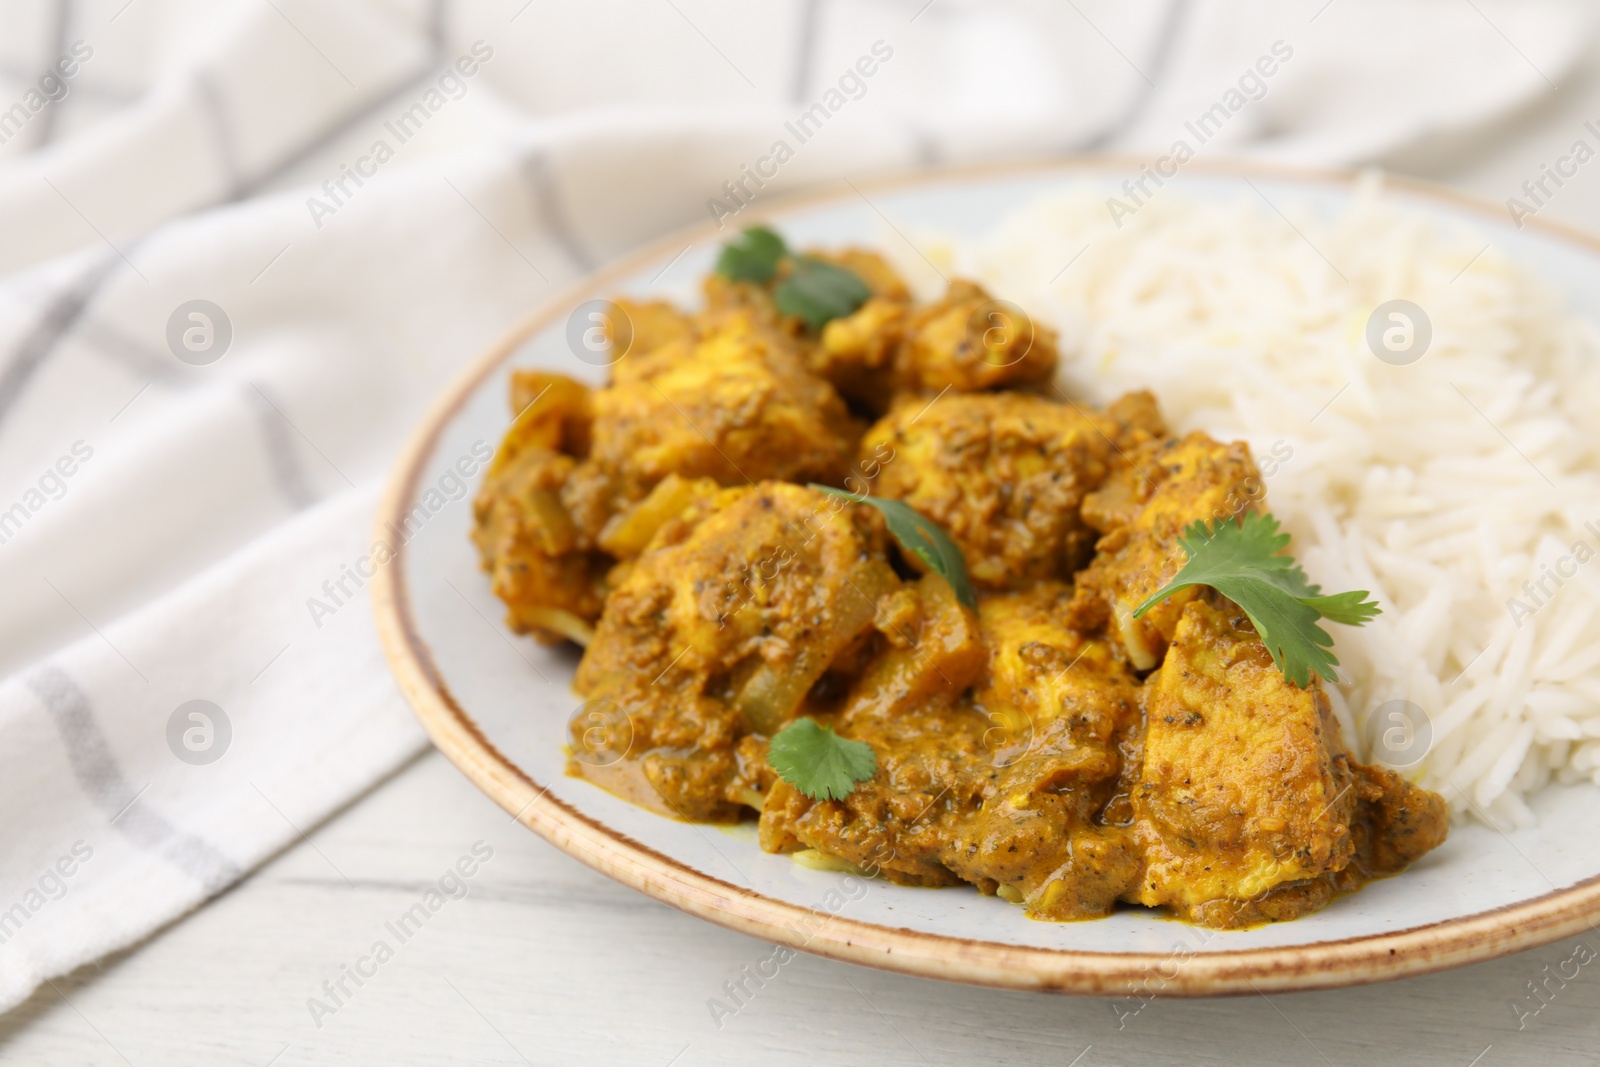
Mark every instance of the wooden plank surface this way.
pixel 544 961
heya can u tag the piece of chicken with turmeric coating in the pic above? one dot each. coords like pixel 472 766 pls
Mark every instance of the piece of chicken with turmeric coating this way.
pixel 1245 786
pixel 1148 501
pixel 966 342
pixel 721 629
pixel 1396 823
pixel 544 568
pixel 1007 789
pixel 630 329
pixel 637 329
pixel 1063 742
pixel 724 294
pixel 932 771
pixel 736 405
pixel 1249 808
pixel 969 341
pixel 1004 473
pixel 857 352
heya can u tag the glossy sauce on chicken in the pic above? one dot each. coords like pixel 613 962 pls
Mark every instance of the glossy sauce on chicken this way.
pixel 1048 747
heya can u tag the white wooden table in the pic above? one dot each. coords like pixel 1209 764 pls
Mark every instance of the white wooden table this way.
pixel 545 961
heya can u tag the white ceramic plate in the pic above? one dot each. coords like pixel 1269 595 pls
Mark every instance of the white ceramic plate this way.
pixel 497 704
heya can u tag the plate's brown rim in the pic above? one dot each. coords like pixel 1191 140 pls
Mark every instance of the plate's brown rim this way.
pixel 1317 965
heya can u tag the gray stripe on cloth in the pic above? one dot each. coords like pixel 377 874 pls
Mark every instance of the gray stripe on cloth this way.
pixel 83 83
pixel 331 133
pixel 805 47
pixel 58 318
pixel 39 345
pixel 151 364
pixel 924 145
pixel 46 131
pixel 426 72
pixel 283 456
pixel 216 112
pixel 1173 22
pixel 439 28
pixel 103 782
pixel 553 209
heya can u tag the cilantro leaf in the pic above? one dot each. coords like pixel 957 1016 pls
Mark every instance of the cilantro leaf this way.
pixel 813 290
pixel 1348 608
pixel 818 291
pixel 752 256
pixel 922 537
pixel 818 762
pixel 1244 561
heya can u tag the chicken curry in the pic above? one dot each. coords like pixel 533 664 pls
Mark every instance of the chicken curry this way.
pixel 1032 732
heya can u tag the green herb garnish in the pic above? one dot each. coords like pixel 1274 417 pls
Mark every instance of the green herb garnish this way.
pixel 813 290
pixel 1244 562
pixel 921 537
pixel 818 762
pixel 818 291
pixel 752 256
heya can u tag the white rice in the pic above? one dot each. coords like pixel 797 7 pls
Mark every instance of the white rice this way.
pixel 1395 483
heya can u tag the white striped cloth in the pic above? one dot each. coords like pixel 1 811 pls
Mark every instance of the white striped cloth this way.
pixel 165 516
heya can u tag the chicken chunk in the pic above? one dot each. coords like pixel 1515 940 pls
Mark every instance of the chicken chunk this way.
pixel 726 297
pixel 884 281
pixel 931 772
pixel 969 341
pixel 857 352
pixel 966 342
pixel 722 627
pixel 737 407
pixel 899 823
pixel 1141 510
pixel 1245 786
pixel 1065 722
pixel 1139 422
pixel 1005 474
pixel 1396 822
pixel 1004 790
pixel 651 336
pixel 542 566
pixel 635 328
